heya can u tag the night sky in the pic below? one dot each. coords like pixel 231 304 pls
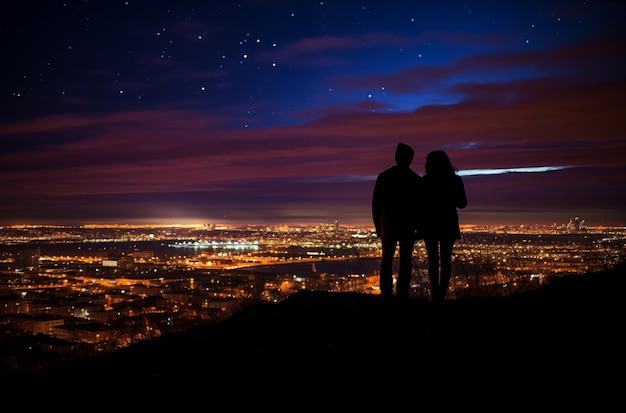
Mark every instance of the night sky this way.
pixel 283 112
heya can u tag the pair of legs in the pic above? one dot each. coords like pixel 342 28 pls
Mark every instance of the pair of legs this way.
pixel 405 245
pixel 439 266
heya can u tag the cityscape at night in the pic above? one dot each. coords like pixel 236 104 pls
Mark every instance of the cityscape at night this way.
pixel 98 288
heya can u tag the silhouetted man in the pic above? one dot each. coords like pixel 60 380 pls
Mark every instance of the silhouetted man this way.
pixel 395 214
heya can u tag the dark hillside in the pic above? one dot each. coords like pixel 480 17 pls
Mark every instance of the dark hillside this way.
pixel 561 346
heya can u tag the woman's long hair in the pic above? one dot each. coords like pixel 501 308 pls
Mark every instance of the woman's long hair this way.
pixel 438 163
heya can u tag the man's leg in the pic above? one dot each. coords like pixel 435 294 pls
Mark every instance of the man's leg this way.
pixel 403 284
pixel 386 266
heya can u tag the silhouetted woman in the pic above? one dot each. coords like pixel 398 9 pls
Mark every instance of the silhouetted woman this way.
pixel 443 192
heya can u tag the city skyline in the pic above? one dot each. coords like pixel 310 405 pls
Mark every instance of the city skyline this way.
pixel 83 291
pixel 264 113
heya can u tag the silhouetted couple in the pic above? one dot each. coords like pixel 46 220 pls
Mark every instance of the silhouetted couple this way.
pixel 407 207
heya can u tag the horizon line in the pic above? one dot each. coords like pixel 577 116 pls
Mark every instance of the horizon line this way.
pixel 286 224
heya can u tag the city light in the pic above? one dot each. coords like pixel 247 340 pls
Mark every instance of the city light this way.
pixel 84 284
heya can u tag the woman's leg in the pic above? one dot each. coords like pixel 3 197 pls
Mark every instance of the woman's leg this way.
pixel 446 265
pixel 432 249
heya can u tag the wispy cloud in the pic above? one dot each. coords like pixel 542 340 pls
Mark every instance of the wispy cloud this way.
pixel 500 171
pixel 466 172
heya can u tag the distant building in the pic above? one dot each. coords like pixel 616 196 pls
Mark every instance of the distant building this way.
pixel 143 255
pixel 576 224
pixel 28 258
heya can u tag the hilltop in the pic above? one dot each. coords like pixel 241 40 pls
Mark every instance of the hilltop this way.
pixel 561 345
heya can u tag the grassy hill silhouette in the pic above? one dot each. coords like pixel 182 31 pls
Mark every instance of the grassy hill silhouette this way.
pixel 558 347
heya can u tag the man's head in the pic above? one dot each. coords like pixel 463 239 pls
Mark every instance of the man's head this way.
pixel 404 155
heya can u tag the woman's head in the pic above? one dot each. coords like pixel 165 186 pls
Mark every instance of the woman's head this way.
pixel 438 162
